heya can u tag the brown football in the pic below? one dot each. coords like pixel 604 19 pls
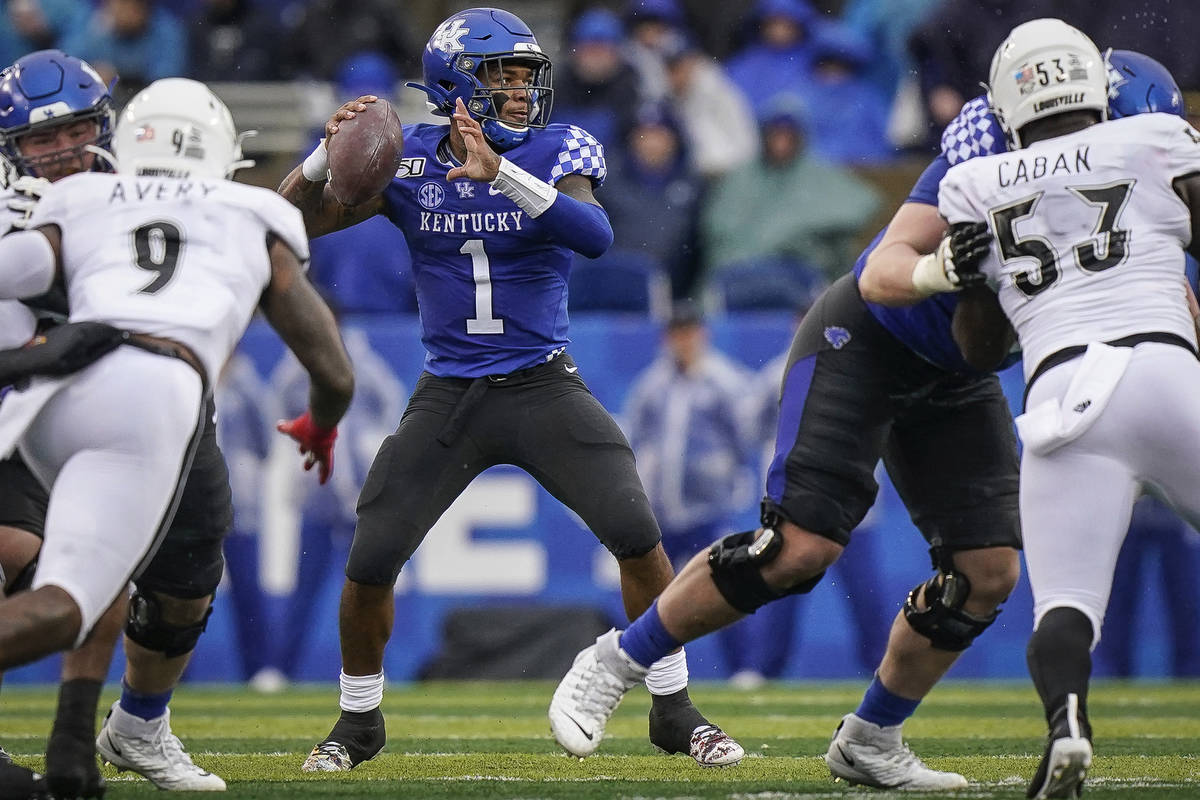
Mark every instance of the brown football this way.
pixel 365 153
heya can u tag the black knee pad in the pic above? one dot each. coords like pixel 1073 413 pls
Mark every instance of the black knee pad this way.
pixel 943 621
pixel 146 627
pixel 736 562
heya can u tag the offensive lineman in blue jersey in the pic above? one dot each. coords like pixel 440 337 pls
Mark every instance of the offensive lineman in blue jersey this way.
pixel 492 205
pixel 864 381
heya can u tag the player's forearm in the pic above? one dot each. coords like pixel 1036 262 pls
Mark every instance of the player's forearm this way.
pixel 575 223
pixel 306 325
pixel 27 264
pixel 887 276
pixel 309 197
pixel 981 329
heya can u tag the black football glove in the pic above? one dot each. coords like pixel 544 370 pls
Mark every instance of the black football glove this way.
pixel 969 245
pixel 61 350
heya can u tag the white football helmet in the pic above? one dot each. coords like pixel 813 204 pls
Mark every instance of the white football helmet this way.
pixel 178 128
pixel 1045 67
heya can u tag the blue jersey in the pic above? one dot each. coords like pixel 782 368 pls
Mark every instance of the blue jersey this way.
pixel 491 282
pixel 925 327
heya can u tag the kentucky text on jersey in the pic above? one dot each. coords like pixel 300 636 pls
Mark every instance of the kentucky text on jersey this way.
pixel 491 280
pixel 159 190
pixel 1029 168
pixel 475 222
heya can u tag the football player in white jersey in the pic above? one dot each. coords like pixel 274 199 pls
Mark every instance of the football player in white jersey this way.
pixel 172 251
pixel 1078 237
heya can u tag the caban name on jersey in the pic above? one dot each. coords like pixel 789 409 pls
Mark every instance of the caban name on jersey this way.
pixel 472 222
pixel 159 190
pixel 1032 168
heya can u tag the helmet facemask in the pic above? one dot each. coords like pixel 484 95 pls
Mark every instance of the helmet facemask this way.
pixel 76 157
pixel 487 102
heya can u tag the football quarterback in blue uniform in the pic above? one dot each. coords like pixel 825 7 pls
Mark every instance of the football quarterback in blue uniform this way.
pixel 493 206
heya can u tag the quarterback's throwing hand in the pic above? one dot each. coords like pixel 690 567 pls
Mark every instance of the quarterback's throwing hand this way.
pixel 482 161
pixel 347 110
pixel 315 442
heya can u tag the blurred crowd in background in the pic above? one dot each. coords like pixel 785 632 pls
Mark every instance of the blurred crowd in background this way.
pixel 753 149
pixel 714 115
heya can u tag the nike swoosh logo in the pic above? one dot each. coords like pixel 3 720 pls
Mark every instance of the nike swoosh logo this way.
pixel 112 746
pixel 582 729
pixel 572 370
pixel 845 756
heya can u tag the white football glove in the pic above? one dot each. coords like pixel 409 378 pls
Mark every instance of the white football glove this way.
pixel 934 272
pixel 27 191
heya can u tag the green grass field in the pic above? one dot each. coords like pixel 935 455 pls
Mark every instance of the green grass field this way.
pixel 492 740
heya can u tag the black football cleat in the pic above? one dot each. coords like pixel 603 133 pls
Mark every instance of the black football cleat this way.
pixel 21 783
pixel 356 737
pixel 72 770
pixel 677 726
pixel 1068 755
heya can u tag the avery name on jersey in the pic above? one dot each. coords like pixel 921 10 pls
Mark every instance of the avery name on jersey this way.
pixel 475 222
pixel 158 190
pixel 1026 169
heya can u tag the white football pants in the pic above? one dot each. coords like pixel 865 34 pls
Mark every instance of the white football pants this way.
pixel 1076 500
pixel 114 444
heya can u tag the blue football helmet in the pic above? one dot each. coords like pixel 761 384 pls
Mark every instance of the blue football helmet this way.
pixel 1137 84
pixel 464 50
pixel 48 88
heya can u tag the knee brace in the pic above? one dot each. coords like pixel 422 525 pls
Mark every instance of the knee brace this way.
pixel 943 621
pixel 736 562
pixel 147 627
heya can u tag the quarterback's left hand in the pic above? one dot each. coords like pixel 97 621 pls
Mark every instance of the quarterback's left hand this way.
pixel 315 441
pixel 27 191
pixel 483 163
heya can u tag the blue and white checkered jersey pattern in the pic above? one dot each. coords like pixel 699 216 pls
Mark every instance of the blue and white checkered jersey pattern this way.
pixel 974 132
pixel 581 153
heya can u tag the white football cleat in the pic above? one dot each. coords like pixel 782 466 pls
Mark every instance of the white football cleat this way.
pixel 157 755
pixel 712 747
pixel 590 692
pixel 865 753
pixel 328 757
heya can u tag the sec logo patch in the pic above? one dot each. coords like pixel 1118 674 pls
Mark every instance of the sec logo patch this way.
pixel 431 195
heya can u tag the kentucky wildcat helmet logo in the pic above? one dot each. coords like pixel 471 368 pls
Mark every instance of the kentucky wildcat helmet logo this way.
pixel 449 36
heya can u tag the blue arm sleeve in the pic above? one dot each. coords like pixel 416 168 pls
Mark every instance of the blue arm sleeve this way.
pixel 583 227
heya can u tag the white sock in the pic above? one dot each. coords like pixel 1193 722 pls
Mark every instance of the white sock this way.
pixel 131 725
pixel 361 692
pixel 669 674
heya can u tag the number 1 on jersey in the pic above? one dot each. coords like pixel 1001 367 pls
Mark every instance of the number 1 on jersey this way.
pixel 483 321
